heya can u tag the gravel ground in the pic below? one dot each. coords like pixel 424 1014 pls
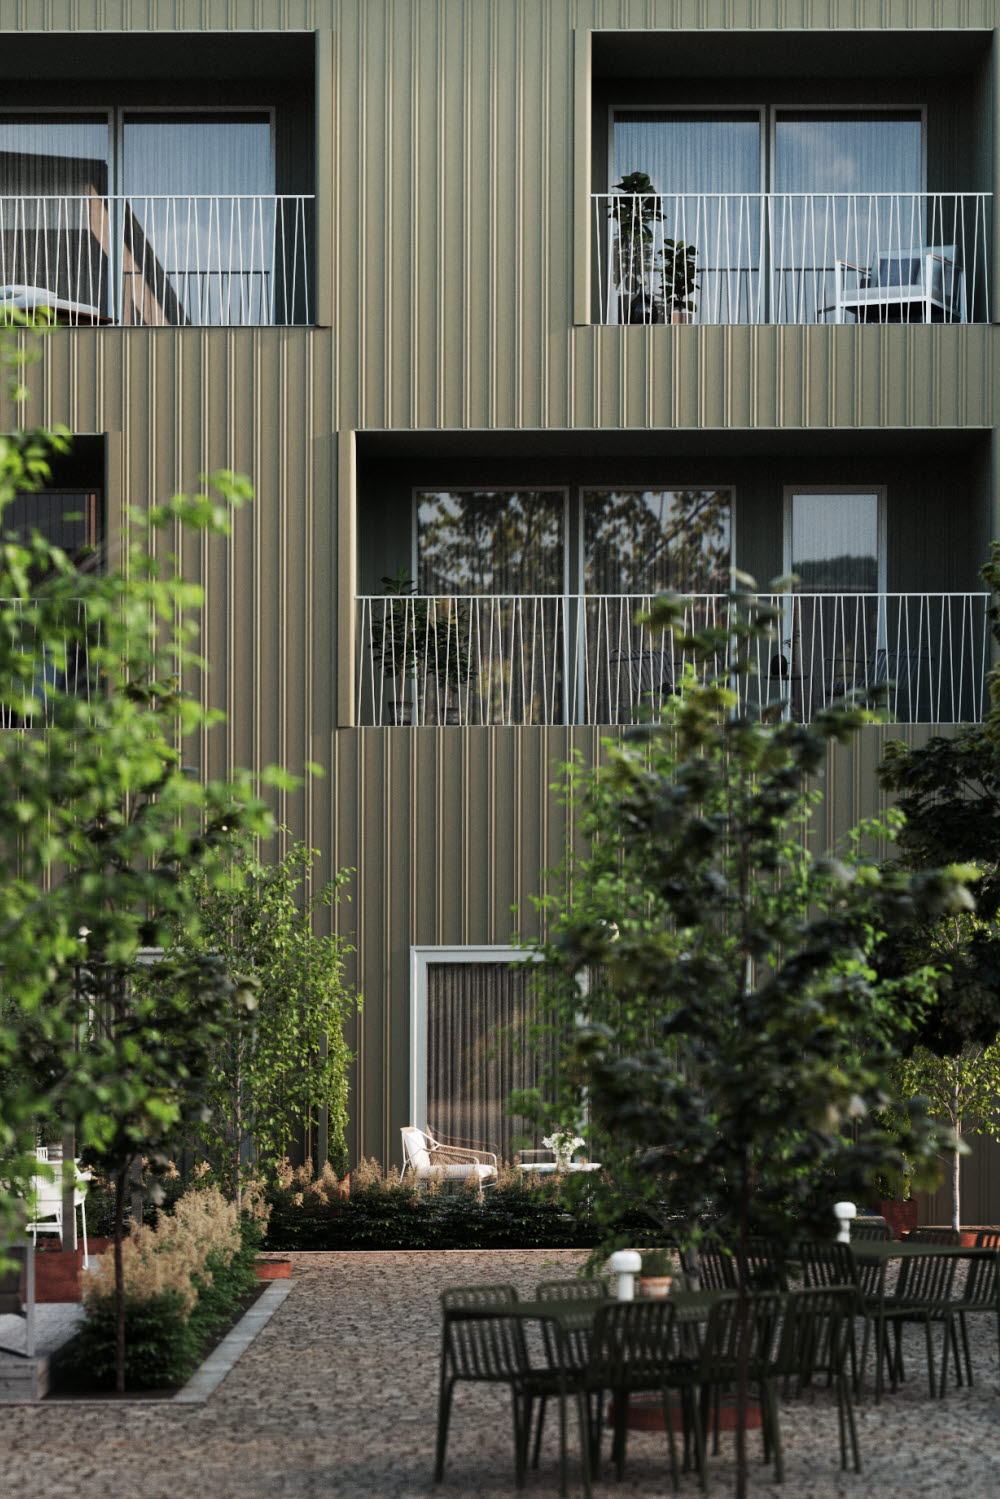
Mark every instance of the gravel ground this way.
pixel 338 1397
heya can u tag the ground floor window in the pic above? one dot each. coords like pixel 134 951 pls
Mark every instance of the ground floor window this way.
pixel 471 1047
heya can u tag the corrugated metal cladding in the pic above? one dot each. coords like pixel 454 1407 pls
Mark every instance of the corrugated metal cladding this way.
pixel 453 144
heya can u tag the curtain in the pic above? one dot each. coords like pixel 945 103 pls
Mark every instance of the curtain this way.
pixel 53 226
pixel 201 241
pixel 478 1051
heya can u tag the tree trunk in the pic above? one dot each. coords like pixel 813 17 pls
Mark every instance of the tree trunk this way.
pixel 956 1181
pixel 135 1196
pixel 120 1279
pixel 742 1350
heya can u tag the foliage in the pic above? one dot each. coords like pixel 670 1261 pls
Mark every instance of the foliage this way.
pixel 184 1282
pixel 384 1213
pixel 288 1059
pixel 949 792
pixel 647 261
pixel 737 1041
pixel 422 640
pixel 99 814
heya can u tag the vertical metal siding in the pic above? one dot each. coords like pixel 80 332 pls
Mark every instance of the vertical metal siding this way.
pixel 452 143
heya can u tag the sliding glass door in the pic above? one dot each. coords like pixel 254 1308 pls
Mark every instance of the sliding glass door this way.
pixel 840 185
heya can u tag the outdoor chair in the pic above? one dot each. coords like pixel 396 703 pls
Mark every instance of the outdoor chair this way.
pixel 489 1350
pixel 922 1295
pixel 917 284
pixel 573 1349
pixel 877 1232
pixel 716 1270
pixel 428 1159
pixel 727 1342
pixel 933 1236
pixel 980 1294
pixel 46 1202
pixel 827 1263
pixel 816 1334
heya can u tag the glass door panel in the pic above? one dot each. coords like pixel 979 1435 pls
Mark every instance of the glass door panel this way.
pixel 847 188
pixel 493 562
pixel 836 620
pixel 637 543
pixel 54 228
pixel 199 229
pixel 705 165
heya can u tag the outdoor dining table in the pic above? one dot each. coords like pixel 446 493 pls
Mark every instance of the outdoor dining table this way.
pixel 871 1251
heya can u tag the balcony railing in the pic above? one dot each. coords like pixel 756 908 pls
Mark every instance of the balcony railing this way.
pixel 63 669
pixel 196 260
pixel 556 659
pixel 792 257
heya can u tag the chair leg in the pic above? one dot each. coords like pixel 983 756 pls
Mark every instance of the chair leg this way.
pixel 583 1416
pixel 520 1415
pixel 930 1358
pixel 444 1413
pixel 668 1421
pixel 538 1430
pixel 769 1407
pixel 964 1329
pixel 844 1392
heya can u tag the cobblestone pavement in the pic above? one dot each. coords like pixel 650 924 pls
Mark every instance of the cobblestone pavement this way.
pixel 337 1397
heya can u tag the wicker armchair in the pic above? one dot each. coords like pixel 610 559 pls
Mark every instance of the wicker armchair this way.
pixel 428 1159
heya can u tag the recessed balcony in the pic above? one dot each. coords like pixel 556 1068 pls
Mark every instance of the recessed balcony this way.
pixel 557 659
pixel 728 258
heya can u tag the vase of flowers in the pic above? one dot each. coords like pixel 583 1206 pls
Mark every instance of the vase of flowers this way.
pixel 563 1145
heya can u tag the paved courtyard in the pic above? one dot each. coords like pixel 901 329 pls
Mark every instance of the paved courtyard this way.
pixel 338 1397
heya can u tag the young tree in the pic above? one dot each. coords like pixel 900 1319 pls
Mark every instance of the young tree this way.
pixel 949 793
pixel 736 1043
pixel 287 1060
pixel 99 818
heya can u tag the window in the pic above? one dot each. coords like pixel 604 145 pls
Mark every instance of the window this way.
pixel 149 216
pixel 470 1019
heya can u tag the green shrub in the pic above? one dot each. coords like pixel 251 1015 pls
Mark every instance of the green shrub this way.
pixel 162 1347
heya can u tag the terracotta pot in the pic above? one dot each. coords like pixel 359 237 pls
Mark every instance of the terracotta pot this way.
pixel 274 1269
pixel 900 1216
pixel 57 1274
pixel 681 315
pixel 655 1285
pixel 645 1413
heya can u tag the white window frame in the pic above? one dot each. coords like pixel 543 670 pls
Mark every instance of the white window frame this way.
pixel 420 960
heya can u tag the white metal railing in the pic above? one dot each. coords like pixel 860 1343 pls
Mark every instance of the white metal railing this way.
pixel 205 260
pixel 66 668
pixel 551 658
pixel 792 257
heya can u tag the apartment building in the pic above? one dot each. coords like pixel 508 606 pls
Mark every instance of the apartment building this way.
pixel 516 311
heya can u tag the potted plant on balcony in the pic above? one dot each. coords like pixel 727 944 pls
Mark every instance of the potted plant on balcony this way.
pixel 397 640
pixel 656 276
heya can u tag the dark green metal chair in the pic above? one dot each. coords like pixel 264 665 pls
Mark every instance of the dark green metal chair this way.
pixel 816 1337
pixel 489 1350
pixel 933 1236
pixel 568 1347
pixel 862 1231
pixel 979 1296
pixel 922 1295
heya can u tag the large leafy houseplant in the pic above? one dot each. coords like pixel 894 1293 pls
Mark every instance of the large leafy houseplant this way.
pixel 656 276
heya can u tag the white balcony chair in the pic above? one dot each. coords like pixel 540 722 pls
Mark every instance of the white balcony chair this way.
pixel 911 286
pixel 29 299
pixel 428 1159
pixel 47 1202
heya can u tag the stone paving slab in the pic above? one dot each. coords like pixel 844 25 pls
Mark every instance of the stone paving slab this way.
pixel 337 1397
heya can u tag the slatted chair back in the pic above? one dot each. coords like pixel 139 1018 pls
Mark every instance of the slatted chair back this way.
pixel 575 1344
pixel 988 1238
pixel 766 1265
pixel 870 1278
pixel 487 1348
pixel 982 1282
pixel 724 1332
pixel 633 1341
pixel 933 1236
pixel 925 1280
pixel 827 1262
pixel 814 1337
pixel 879 1232
pixel 716 1270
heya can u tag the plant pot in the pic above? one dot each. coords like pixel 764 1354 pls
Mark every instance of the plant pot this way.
pixel 900 1216
pixel 655 1286
pixel 681 315
pixel 400 713
pixel 276 1269
pixel 645 1413
pixel 59 1272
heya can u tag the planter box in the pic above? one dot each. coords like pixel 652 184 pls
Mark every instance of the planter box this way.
pixel 900 1216
pixel 274 1269
pixel 59 1272
pixel 645 1413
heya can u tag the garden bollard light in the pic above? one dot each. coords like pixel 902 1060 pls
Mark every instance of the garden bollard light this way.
pixel 625 1264
pixel 845 1211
